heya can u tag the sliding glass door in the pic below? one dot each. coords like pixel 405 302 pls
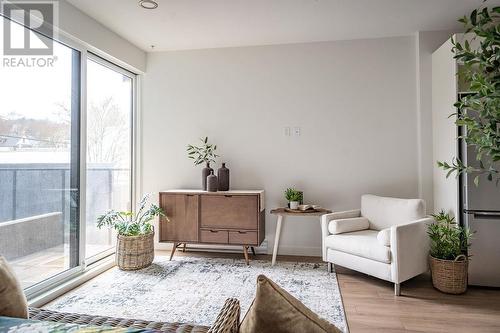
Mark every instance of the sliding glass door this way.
pixel 39 165
pixel 66 156
pixel 110 91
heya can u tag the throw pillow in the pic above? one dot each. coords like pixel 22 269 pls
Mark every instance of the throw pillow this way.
pixel 12 300
pixel 348 225
pixel 275 311
pixel 384 237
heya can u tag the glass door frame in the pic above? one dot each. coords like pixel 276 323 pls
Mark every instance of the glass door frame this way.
pixel 55 280
pixel 87 52
pixel 133 130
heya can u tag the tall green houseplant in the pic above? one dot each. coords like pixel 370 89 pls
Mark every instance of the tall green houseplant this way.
pixel 479 111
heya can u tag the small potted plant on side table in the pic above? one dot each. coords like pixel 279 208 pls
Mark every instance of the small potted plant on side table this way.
pixel 448 256
pixel 135 239
pixel 294 198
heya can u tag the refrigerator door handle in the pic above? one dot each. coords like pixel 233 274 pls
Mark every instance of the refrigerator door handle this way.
pixel 483 214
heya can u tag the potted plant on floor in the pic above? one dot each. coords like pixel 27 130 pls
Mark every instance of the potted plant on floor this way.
pixel 135 239
pixel 294 197
pixel 448 256
pixel 203 154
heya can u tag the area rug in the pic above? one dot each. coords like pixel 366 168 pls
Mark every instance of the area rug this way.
pixel 193 290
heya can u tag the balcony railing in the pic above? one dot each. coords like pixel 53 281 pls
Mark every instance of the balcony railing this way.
pixel 35 201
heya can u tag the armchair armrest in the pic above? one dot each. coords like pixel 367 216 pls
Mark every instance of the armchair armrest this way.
pixel 325 219
pixel 228 319
pixel 410 249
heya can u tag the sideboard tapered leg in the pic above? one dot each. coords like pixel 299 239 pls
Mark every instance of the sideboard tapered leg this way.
pixel 174 247
pixel 245 253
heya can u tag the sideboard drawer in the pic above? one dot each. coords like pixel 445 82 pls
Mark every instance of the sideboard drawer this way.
pixel 229 211
pixel 243 237
pixel 214 236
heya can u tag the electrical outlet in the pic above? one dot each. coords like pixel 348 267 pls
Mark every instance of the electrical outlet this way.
pixel 296 131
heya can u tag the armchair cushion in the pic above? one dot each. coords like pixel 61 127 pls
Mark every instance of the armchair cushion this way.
pixel 384 237
pixel 360 243
pixel 386 212
pixel 348 225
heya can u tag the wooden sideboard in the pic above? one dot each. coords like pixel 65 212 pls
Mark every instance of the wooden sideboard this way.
pixel 222 218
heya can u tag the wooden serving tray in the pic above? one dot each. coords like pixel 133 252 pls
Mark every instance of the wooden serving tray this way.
pixel 298 211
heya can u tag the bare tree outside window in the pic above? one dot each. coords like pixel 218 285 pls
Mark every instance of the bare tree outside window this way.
pixel 107 133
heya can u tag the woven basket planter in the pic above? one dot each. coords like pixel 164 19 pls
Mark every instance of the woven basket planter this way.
pixel 449 276
pixel 134 252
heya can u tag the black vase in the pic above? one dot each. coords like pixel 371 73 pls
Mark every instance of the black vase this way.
pixel 205 172
pixel 223 175
pixel 212 182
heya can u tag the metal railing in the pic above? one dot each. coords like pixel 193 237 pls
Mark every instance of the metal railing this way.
pixel 33 189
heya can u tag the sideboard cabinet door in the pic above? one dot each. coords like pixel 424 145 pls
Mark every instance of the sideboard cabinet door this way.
pixel 182 210
pixel 229 211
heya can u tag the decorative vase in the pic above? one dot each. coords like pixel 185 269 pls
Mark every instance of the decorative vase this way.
pixel 449 276
pixel 205 172
pixel 212 182
pixel 223 175
pixel 294 205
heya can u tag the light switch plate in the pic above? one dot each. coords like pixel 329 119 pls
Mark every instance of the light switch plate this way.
pixel 296 131
pixel 287 131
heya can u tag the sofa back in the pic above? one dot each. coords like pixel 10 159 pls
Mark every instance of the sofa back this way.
pixel 384 212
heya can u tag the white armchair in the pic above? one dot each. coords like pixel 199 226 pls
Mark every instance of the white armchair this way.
pixel 386 238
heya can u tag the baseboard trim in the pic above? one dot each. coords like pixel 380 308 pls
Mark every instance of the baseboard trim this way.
pixel 262 249
pixel 299 251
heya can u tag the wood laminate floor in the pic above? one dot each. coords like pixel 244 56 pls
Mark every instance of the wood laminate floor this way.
pixel 371 306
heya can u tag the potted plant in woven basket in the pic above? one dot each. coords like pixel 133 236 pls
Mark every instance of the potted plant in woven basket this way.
pixel 448 256
pixel 135 239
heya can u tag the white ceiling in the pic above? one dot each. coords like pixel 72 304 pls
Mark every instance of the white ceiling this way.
pixel 196 24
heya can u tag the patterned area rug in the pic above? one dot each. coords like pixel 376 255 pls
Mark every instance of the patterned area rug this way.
pixel 192 290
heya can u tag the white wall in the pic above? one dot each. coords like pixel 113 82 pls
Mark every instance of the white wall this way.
pixel 444 95
pixel 426 43
pixel 355 102
pixel 104 42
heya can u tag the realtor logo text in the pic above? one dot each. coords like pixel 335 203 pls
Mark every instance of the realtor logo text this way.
pixel 28 32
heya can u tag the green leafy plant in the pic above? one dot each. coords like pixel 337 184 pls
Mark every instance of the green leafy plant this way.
pixel 448 240
pixel 292 194
pixel 479 111
pixel 204 153
pixel 128 223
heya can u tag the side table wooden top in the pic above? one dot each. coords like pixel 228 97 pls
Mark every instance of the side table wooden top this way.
pixel 282 211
